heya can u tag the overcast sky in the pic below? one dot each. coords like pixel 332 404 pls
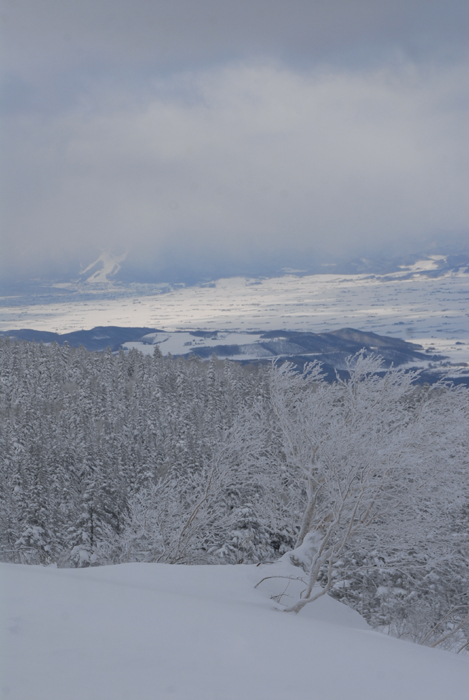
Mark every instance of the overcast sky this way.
pixel 233 130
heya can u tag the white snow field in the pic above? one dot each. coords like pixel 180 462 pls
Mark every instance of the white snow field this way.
pixel 156 631
pixel 427 310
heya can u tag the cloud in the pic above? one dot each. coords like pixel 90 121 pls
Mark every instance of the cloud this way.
pixel 233 130
pixel 243 160
pixel 177 32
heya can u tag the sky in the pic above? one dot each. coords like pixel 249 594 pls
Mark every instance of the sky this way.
pixel 217 136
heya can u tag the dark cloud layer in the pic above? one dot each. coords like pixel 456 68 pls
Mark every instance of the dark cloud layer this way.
pixel 177 32
pixel 201 132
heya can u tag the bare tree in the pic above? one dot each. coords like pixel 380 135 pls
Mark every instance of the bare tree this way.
pixel 371 456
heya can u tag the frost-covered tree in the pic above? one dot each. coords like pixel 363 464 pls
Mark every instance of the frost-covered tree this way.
pixel 124 457
pixel 373 462
pixel 208 514
pixel 85 436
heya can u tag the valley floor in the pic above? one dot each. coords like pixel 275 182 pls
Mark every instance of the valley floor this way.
pixel 429 310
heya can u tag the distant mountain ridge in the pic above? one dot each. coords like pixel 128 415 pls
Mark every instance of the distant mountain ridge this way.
pixel 117 273
pixel 111 270
pixel 98 338
pixel 298 347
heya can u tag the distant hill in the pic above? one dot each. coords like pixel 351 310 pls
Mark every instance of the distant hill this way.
pixel 98 338
pixel 298 347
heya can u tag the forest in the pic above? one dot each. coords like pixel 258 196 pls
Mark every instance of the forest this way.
pixel 108 458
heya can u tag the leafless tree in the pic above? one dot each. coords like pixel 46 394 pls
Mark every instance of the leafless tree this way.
pixel 373 454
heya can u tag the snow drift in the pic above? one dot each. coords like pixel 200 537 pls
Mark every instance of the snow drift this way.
pixel 155 631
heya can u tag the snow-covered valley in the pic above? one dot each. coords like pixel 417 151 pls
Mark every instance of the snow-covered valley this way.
pixel 431 310
pixel 155 631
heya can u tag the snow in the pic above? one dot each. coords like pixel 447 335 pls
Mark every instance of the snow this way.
pixel 419 308
pixel 154 631
pixel 180 343
pixel 431 263
pixel 103 268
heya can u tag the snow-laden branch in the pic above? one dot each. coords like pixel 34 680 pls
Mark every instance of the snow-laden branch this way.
pixel 366 451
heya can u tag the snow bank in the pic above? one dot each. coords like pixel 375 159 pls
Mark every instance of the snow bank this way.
pixel 153 631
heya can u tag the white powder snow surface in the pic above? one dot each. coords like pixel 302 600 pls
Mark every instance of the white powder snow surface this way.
pixel 155 631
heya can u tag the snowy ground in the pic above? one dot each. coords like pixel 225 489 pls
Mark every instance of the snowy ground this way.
pixel 182 342
pixel 425 310
pixel 153 631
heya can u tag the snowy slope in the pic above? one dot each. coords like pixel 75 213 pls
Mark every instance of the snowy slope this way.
pixel 152 631
pixel 100 271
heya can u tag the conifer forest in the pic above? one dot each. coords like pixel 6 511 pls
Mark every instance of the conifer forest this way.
pixel 111 458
